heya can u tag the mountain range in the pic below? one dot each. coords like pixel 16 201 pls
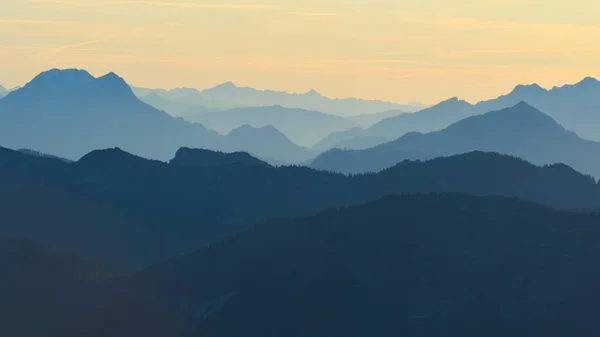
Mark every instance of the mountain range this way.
pixel 60 106
pixel 302 127
pixel 521 131
pixel 428 265
pixel 3 91
pixel 127 212
pixel 574 106
pixel 228 96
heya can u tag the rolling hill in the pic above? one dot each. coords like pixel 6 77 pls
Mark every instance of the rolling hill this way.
pixel 128 212
pixel 451 265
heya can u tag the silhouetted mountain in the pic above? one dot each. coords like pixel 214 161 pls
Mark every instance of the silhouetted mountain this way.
pixel 437 265
pixel 301 126
pixel 434 118
pixel 228 96
pixel 430 119
pixel 69 113
pixel 202 158
pixel 39 285
pixel 3 91
pixel 368 120
pixel 575 106
pixel 265 142
pixel 520 131
pixel 128 212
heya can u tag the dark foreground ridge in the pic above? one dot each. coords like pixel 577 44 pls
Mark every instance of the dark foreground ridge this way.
pixel 429 265
pixel 128 212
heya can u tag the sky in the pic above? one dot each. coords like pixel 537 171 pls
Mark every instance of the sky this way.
pixel 394 50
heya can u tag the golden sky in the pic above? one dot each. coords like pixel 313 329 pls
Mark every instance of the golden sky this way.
pixel 419 50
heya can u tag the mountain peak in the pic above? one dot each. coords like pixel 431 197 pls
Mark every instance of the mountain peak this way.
pixel 202 158
pixel 59 78
pixel 453 101
pixel 528 89
pixel 312 93
pixel 108 158
pixel 588 81
pixel 226 85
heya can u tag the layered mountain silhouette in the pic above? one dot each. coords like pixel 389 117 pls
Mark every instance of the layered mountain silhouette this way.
pixel 521 131
pixel 451 265
pixel 3 91
pixel 301 126
pixel 228 96
pixel 355 139
pixel 267 142
pixel 127 211
pixel 368 120
pixel 69 113
pixel 430 119
pixel 575 106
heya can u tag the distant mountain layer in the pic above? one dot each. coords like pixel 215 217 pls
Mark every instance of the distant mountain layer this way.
pixel 128 212
pixel 574 106
pixel 520 131
pixel 228 95
pixel 3 91
pixel 437 265
pixel 301 126
pixel 367 120
pixel 69 113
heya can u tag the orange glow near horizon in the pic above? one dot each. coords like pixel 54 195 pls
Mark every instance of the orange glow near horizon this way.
pixel 392 50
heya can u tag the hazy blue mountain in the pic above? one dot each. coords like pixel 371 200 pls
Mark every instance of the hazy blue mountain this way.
pixel 228 96
pixel 303 127
pixel 430 119
pixel 171 107
pixel 266 142
pixel 128 212
pixel 368 120
pixel 69 113
pixel 575 106
pixel 431 265
pixel 354 139
pixel 521 131
pixel 3 91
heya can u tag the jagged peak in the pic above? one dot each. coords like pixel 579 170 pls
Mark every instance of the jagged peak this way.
pixel 528 89
pixel 61 77
pixel 313 93
pixel 453 101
